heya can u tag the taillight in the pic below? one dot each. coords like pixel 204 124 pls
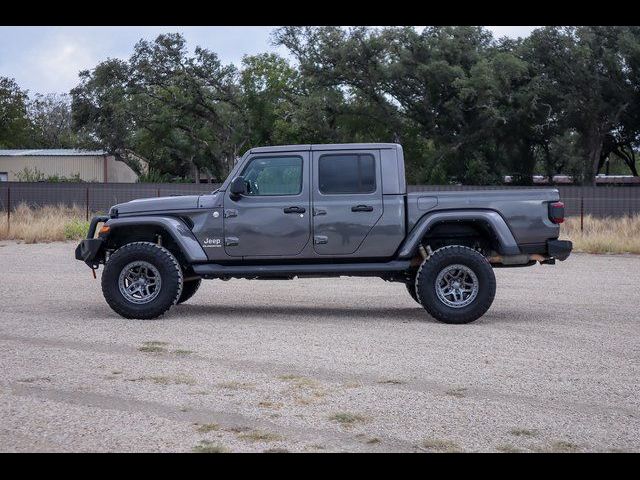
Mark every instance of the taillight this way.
pixel 556 212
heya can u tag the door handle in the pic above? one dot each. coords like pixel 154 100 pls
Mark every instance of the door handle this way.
pixel 231 241
pixel 362 208
pixel 295 210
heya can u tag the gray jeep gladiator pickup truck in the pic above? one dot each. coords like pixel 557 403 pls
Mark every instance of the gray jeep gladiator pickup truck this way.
pixel 323 211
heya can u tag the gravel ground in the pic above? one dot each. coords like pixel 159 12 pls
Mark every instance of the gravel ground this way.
pixel 319 364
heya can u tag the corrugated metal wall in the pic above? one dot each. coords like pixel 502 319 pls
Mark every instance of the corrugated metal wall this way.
pixel 90 168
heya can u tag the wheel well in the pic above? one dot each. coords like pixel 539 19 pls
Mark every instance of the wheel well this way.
pixel 477 235
pixel 120 236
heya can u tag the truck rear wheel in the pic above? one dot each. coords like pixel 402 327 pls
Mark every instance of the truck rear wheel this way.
pixel 456 284
pixel 142 280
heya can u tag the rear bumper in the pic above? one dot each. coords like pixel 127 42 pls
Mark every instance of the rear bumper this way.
pixel 559 249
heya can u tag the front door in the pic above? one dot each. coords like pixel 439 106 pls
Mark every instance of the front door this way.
pixel 347 199
pixel 273 218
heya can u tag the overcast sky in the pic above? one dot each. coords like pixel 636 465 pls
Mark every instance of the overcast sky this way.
pixel 48 59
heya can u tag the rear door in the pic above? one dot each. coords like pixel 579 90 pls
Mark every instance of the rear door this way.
pixel 347 199
pixel 273 219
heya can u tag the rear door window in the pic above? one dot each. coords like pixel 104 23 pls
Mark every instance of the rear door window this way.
pixel 347 173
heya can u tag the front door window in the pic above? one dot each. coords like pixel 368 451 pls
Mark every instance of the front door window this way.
pixel 274 176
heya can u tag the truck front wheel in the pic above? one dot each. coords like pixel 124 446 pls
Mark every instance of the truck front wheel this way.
pixel 142 280
pixel 189 289
pixel 411 286
pixel 456 284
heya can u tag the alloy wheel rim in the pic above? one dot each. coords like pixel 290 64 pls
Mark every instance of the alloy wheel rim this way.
pixel 457 286
pixel 140 282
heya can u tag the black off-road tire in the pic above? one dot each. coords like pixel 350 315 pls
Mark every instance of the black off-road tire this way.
pixel 440 260
pixel 170 275
pixel 411 288
pixel 189 289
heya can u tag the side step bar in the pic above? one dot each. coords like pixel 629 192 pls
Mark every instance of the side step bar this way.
pixel 214 270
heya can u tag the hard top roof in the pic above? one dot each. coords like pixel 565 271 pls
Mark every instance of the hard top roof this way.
pixel 327 146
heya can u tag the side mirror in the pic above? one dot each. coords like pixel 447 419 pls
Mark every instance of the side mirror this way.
pixel 238 187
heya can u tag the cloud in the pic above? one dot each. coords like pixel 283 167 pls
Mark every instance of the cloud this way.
pixel 46 60
pixel 59 63
pixel 513 31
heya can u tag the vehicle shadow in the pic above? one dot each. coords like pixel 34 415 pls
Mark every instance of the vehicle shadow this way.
pixel 312 314
pixel 309 313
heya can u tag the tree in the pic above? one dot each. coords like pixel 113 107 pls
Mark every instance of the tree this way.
pixel 14 122
pixel 101 112
pixel 179 111
pixel 51 122
pixel 466 107
pixel 269 87
pixel 413 83
pixel 592 70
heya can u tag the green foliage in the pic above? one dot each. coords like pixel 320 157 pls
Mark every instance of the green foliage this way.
pixel 154 176
pixel 14 123
pixel 28 174
pixel 50 118
pixel 467 108
pixel 76 229
pixel 478 172
pixel 75 178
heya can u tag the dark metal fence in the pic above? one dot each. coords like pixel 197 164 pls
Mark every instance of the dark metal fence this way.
pixel 91 197
pixel 598 201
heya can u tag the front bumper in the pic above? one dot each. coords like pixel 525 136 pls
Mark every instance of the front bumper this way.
pixel 559 249
pixel 90 249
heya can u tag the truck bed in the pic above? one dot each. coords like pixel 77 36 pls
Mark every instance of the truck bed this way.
pixel 524 210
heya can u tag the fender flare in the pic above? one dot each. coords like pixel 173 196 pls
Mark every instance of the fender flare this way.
pixel 506 241
pixel 180 233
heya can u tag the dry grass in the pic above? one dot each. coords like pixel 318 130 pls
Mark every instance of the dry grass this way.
pixel 207 427
pixel 165 380
pixel 153 347
pixel 206 446
pixel 45 224
pixel 305 390
pixel 391 381
pixel 233 385
pixel 603 235
pixel 563 446
pixel 438 445
pixel 523 432
pixel 347 419
pixel 260 436
pixel 459 392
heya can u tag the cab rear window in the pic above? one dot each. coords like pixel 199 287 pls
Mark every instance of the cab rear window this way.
pixel 348 174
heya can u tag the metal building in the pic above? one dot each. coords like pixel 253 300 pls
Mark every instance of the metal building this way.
pixel 89 165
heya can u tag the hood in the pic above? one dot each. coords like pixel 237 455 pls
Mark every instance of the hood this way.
pixel 157 204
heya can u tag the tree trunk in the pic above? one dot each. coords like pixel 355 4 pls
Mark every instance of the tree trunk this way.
pixel 594 155
pixel 547 162
pixel 196 173
pixel 593 143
